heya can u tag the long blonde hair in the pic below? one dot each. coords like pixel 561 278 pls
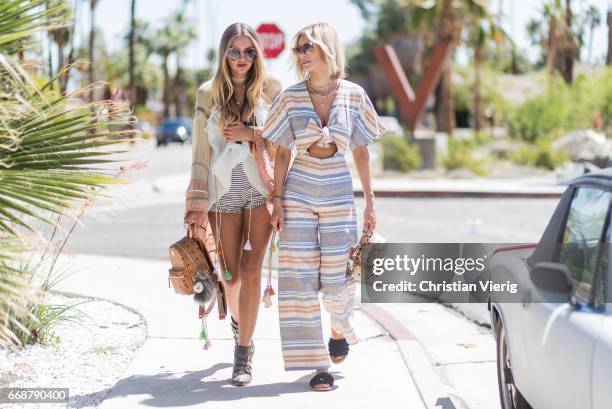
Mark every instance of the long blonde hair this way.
pixel 323 35
pixel 222 87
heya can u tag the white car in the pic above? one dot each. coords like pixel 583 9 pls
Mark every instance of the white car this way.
pixel 554 346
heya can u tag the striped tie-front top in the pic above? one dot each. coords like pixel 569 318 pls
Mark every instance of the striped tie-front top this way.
pixel 292 120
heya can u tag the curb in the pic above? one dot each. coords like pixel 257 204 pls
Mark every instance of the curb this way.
pixel 459 194
pixel 71 294
pixel 431 389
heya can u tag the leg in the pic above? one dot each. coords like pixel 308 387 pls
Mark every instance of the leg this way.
pixel 298 290
pixel 338 231
pixel 250 268
pixel 229 250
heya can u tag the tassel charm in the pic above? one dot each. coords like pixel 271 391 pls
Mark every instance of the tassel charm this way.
pixel 267 298
pixel 204 334
pixel 247 245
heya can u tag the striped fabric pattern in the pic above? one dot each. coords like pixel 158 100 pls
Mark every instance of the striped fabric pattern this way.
pixel 320 226
pixel 238 197
pixel 353 121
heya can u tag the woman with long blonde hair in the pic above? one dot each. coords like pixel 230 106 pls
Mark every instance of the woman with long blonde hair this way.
pixel 231 179
pixel 322 117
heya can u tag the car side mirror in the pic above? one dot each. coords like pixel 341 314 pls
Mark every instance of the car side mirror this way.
pixel 553 277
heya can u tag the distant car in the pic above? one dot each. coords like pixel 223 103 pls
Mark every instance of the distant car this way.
pixel 554 346
pixel 174 130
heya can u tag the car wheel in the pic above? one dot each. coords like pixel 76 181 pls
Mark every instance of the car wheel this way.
pixel 509 395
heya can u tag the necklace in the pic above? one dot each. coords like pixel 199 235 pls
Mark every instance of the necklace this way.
pixel 330 89
pixel 241 87
pixel 322 101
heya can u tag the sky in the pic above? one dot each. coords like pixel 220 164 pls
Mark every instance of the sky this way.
pixel 212 16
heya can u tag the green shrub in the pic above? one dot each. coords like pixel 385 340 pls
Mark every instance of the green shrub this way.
pixel 460 156
pixel 606 103
pixel 562 108
pixel 540 154
pixel 400 154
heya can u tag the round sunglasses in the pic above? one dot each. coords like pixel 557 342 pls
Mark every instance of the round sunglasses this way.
pixel 304 49
pixel 234 54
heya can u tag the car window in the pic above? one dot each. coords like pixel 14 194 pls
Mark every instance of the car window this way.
pixel 582 235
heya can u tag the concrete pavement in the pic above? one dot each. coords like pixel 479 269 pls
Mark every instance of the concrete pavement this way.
pixel 172 369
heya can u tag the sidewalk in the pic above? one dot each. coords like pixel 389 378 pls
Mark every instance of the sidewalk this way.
pixel 172 369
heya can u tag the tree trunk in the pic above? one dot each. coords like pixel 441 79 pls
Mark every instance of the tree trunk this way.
pixel 445 108
pixel 166 97
pixel 478 57
pixel 609 59
pixel 92 20
pixel 449 30
pixel 567 57
pixel 132 84
pixel 552 45
pixel 60 65
pixel 50 57
pixel 178 87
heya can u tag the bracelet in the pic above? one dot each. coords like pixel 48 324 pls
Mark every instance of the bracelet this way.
pixel 369 194
pixel 277 197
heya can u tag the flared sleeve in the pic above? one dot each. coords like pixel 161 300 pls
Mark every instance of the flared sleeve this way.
pixel 368 127
pixel 197 191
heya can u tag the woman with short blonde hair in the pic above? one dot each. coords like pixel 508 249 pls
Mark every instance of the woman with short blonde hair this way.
pixel 231 179
pixel 326 38
pixel 314 209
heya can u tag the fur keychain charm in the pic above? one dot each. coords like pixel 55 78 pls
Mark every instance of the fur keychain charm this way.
pixel 203 288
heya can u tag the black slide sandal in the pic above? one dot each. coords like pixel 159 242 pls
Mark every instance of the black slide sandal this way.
pixel 322 382
pixel 338 349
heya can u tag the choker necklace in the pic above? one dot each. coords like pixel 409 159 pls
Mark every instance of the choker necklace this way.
pixel 327 88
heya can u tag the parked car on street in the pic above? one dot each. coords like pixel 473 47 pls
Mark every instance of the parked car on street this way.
pixel 554 346
pixel 174 130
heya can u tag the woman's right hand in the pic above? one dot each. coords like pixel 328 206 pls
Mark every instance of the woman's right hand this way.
pixel 278 216
pixel 196 218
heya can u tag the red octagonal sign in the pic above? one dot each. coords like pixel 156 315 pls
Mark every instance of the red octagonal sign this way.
pixel 272 38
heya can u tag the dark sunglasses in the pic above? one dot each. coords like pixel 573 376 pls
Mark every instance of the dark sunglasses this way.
pixel 304 49
pixel 234 54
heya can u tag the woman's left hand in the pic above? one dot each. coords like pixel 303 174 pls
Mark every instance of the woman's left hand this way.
pixel 237 132
pixel 369 218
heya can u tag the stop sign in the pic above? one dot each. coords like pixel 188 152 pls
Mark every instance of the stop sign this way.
pixel 272 38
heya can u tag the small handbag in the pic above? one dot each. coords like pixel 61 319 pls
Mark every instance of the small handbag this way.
pixel 193 273
pixel 356 253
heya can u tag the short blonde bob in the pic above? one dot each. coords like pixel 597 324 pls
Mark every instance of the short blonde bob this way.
pixel 323 35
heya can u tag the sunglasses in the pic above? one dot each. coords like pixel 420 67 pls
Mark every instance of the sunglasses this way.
pixel 304 49
pixel 234 54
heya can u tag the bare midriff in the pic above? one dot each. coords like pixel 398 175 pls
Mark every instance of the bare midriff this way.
pixel 320 152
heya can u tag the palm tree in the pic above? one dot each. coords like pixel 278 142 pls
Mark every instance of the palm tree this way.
pixel 49 161
pixel 593 19
pixel 448 17
pixel 92 41
pixel 164 45
pixel 482 29
pixel 184 34
pixel 132 38
pixel 609 55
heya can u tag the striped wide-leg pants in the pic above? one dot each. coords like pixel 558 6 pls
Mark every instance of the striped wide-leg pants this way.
pixel 319 228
